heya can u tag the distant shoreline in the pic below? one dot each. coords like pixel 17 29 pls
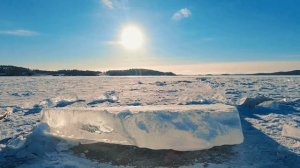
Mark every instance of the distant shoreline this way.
pixel 9 70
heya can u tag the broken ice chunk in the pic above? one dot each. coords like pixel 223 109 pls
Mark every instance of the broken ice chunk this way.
pixel 177 127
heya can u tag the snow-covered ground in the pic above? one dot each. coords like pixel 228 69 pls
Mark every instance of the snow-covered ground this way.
pixel 269 109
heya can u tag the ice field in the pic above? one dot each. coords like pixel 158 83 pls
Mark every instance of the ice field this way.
pixel 54 121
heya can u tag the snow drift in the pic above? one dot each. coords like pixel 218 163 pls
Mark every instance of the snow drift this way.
pixel 177 127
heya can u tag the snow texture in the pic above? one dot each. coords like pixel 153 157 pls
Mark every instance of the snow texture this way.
pixel 268 106
pixel 290 131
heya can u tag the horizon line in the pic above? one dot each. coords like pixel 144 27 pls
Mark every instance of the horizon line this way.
pixel 167 68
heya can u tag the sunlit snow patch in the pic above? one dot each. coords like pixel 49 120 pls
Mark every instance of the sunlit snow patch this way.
pixel 291 132
pixel 177 127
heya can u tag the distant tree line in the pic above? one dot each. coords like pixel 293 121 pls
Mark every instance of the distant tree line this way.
pixel 20 71
pixel 138 72
pixel 295 72
pixel 6 70
pixel 67 73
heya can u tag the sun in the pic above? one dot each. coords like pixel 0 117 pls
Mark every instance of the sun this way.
pixel 132 38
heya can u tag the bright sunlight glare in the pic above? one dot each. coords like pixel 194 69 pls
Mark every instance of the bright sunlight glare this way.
pixel 132 38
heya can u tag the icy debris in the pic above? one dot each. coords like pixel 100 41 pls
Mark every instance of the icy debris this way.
pixel 35 109
pixel 47 103
pixel 252 102
pixel 176 127
pixel 136 103
pixel 38 142
pixel 4 113
pixel 22 94
pixel 64 103
pixel 172 91
pixel 279 106
pixel 195 102
pixel 109 96
pixel 159 83
pixel 232 91
pixel 202 79
pixel 182 81
pixel 291 131
pixel 2 146
pixel 14 109
pixel 59 102
pixel 16 142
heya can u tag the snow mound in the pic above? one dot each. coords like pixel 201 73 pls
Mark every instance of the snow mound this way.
pixel 109 96
pixel 41 150
pixel 252 102
pixel 177 127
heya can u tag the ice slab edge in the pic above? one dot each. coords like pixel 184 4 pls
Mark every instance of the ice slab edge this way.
pixel 177 127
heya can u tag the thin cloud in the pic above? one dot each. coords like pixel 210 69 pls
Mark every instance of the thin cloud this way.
pixel 19 32
pixel 181 14
pixel 115 4
pixel 108 3
pixel 111 42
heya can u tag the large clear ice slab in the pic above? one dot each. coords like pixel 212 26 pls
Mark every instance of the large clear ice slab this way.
pixel 177 127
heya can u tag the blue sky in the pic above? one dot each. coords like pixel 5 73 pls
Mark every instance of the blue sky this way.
pixel 59 34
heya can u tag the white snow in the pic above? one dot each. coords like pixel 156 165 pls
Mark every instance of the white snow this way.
pixel 177 127
pixel 291 131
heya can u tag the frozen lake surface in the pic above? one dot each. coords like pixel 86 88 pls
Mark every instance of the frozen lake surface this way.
pixel 269 109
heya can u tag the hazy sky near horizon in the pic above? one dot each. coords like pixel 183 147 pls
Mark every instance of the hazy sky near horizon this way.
pixel 178 35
